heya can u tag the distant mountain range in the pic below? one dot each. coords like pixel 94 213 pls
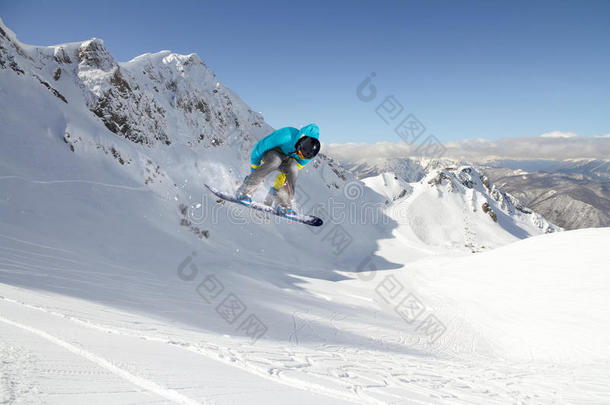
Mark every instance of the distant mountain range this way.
pixel 571 193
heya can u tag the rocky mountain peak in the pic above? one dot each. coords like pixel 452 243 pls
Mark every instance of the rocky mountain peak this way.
pixel 484 195
pixel 93 54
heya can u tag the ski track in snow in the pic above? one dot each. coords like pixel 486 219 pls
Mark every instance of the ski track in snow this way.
pixel 365 376
pixel 143 383
pixel 85 333
pixel 218 353
pixel 96 183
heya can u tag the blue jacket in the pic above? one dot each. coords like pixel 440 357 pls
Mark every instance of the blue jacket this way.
pixel 285 139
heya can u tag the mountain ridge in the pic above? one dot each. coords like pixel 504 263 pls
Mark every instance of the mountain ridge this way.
pixel 164 104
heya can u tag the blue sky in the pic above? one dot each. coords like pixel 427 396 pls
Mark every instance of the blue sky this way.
pixel 475 69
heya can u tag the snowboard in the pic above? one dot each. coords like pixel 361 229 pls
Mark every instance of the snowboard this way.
pixel 303 219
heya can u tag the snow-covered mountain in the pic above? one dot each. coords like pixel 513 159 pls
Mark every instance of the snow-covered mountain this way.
pixel 122 280
pixel 444 202
pixel 457 207
pixel 165 118
pixel 571 193
pixel 153 99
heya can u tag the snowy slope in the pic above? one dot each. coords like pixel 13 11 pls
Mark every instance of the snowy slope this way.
pixel 546 296
pixel 518 326
pixel 122 281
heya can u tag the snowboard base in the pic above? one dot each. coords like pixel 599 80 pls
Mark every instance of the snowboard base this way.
pixel 304 219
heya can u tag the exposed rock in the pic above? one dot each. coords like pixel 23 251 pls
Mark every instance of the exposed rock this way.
pixel 94 54
pixel 487 209
pixel 61 57
pixel 55 92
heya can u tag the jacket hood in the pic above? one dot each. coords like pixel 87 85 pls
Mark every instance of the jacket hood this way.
pixel 310 130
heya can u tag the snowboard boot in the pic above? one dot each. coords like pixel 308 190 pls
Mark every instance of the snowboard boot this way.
pixel 285 211
pixel 270 198
pixel 243 198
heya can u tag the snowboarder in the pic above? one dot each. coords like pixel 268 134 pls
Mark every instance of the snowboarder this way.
pixel 287 150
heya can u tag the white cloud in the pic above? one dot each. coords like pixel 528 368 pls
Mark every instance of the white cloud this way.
pixel 481 150
pixel 559 134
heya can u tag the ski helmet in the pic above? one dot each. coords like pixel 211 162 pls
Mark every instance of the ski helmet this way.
pixel 308 146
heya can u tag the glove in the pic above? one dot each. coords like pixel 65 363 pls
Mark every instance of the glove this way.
pixel 253 168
